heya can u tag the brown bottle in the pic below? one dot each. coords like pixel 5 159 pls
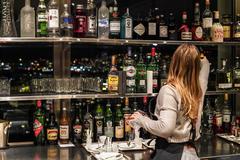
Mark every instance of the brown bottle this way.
pixel 64 125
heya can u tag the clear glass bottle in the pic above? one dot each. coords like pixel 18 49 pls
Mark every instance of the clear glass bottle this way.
pixel 236 74
pixel 197 31
pixel 217 29
pixel 224 77
pixel 66 23
pixel 53 19
pixel 42 19
pixel 91 19
pixel 207 19
pixel 27 20
pixel 80 22
pixel 236 28
pixel 103 21
pixel 126 26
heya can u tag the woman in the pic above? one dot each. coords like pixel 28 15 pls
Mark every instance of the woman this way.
pixel 179 106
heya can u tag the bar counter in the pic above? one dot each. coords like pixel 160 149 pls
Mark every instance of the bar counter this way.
pixel 208 147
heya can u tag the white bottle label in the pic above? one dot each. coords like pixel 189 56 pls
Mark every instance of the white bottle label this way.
pixel 152 29
pixel 53 18
pixel 225 85
pixel 163 31
pixel 207 22
pixel 139 29
pixel 217 33
pixel 115 26
pixel 42 18
pixel 186 36
pixel 64 132
pixel 128 28
pixel 226 118
pixel 199 32
pixel 91 24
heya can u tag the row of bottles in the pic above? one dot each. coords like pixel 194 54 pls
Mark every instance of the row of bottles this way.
pixel 100 117
pixel 105 23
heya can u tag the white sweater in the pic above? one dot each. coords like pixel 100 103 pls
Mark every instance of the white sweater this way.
pixel 172 124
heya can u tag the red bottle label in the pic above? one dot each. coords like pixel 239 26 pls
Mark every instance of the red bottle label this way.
pixel 37 127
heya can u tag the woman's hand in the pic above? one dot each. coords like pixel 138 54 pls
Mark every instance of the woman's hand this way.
pixel 134 119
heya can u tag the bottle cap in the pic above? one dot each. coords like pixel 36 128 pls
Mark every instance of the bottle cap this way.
pixel 39 103
pixel 145 99
pixel 153 52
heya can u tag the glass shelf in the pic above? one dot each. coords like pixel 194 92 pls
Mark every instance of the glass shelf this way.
pixel 96 41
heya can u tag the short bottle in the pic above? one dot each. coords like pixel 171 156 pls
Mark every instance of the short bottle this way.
pixel 52 129
pixel 64 129
pixel 113 77
pixel 27 20
pixel 217 29
pixel 53 19
pixel 66 23
pixel 126 26
pixel 227 27
pixel 80 22
pixel 103 21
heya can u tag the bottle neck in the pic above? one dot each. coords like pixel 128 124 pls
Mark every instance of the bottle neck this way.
pixel 27 2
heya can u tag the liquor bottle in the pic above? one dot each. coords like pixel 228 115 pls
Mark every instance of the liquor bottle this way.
pixel 77 125
pixel 135 105
pixel 207 118
pixel 163 73
pixel 129 67
pixel 99 123
pixel 224 76
pixel 143 133
pixel 64 125
pixel 87 123
pixel 53 18
pixel 113 77
pixel 108 127
pixel 185 33
pixel 80 22
pixel 197 30
pixel 139 29
pixel 172 31
pixel 163 28
pixel 217 29
pixel 118 124
pixel 42 19
pixel 126 115
pixel 153 66
pixel 236 29
pixel 227 27
pixel 91 19
pixel 152 26
pixel 103 21
pixel 27 20
pixel 226 112
pixel 126 26
pixel 38 125
pixel 236 74
pixel 217 118
pixel 66 23
pixel 52 129
pixel 47 111
pixel 141 74
pixel 114 22
pixel 207 19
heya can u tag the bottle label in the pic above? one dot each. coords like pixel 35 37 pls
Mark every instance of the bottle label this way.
pixel 99 127
pixel 113 81
pixel 163 31
pixel 64 131
pixel 227 118
pixel 130 71
pixel 210 119
pixel 53 18
pixel 119 130
pixel 199 32
pixel 42 17
pixel 139 29
pixel 142 82
pixel 103 22
pixel 37 127
pixel 225 85
pixel 127 126
pixel 115 26
pixel 52 134
pixel 67 23
pixel 81 26
pixel 91 24
pixel 108 130
pixel 77 130
pixel 217 34
pixel 219 121
pixel 186 36
pixel 227 31
pixel 128 28
pixel 207 22
pixel 152 29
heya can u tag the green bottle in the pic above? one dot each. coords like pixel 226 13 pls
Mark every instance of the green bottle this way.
pixel 98 121
pixel 42 19
pixel 108 127
pixel 119 124
pixel 141 75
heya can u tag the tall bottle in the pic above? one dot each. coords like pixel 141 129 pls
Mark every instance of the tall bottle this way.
pixel 197 30
pixel 153 66
pixel 80 22
pixel 163 28
pixel 226 112
pixel 217 118
pixel 64 126
pixel 77 125
pixel 129 67
pixel 119 124
pixel 144 133
pixel 236 28
pixel 114 22
pixel 236 74
pixel 185 33
pixel 126 115
pixel 91 19
pixel 151 26
pixel 172 30
pixel 217 29
pixel 87 123
pixel 126 26
pixel 27 20
pixel 103 21
pixel 141 74
pixel 53 19
pixel 163 75
pixel 99 122
pixel 207 19
pixel 42 19
pixel 224 76
pixel 52 129
pixel 66 23
pixel 108 127
pixel 38 125
pixel 207 118
pixel 113 77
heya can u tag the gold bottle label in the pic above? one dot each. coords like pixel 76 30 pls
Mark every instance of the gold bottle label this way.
pixel 113 81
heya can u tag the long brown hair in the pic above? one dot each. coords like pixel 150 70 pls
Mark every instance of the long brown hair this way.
pixel 184 75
